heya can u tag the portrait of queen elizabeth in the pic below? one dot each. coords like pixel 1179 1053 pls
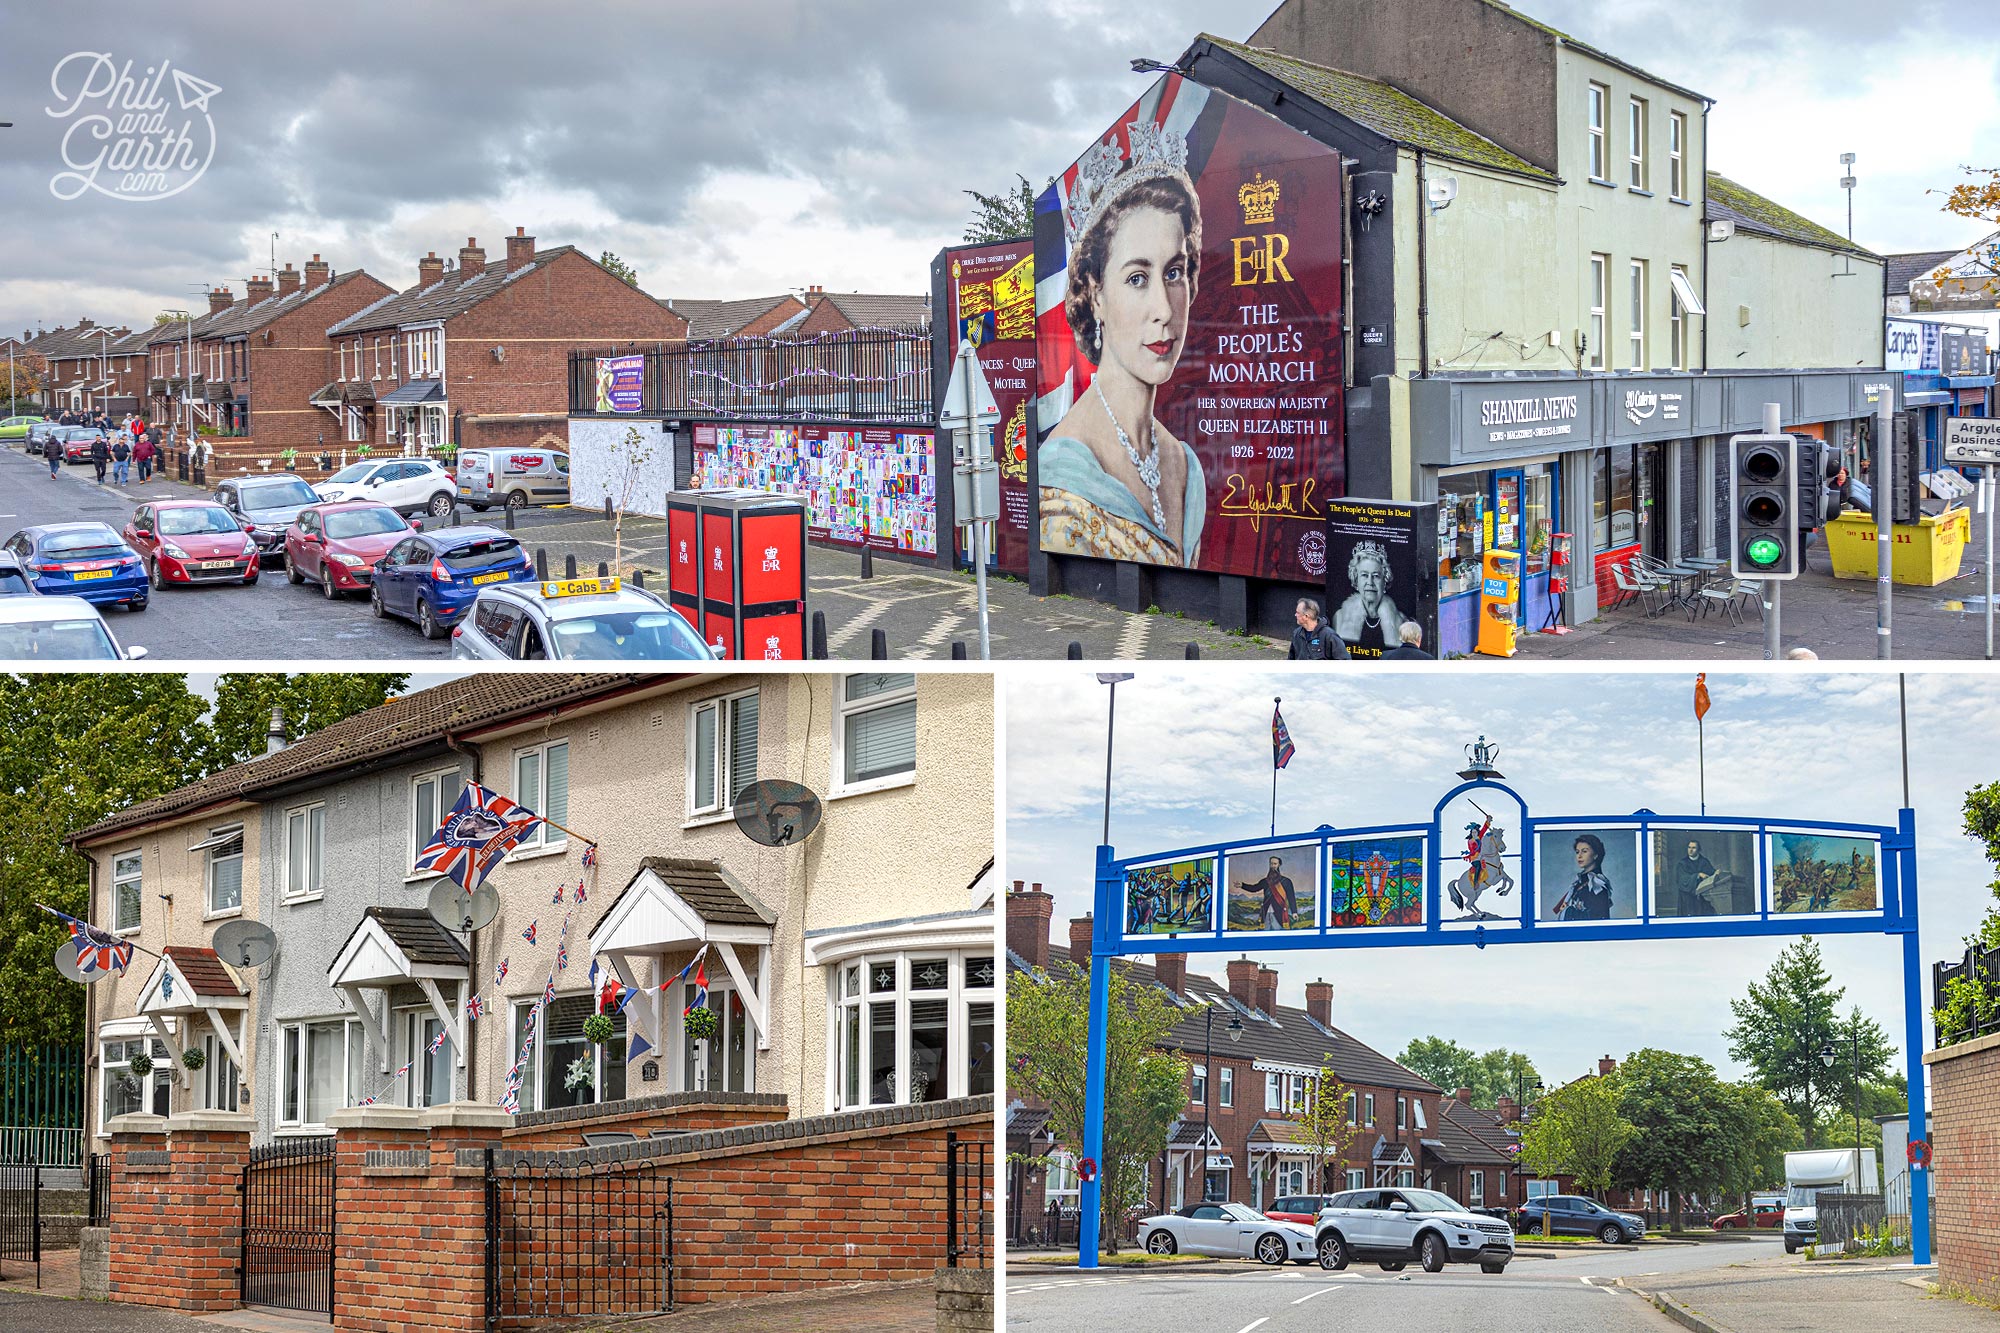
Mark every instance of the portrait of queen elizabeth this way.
pixel 1114 482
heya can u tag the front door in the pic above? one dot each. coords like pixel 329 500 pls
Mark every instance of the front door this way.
pixel 1649 495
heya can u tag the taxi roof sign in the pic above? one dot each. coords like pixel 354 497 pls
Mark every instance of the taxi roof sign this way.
pixel 578 587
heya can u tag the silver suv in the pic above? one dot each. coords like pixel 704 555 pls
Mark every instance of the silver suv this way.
pixel 1394 1226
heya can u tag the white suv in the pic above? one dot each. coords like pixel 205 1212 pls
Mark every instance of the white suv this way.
pixel 409 485
pixel 1394 1226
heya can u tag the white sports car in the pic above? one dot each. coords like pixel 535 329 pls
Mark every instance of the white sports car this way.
pixel 1230 1231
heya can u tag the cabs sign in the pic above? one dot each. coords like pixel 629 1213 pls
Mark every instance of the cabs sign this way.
pixel 578 587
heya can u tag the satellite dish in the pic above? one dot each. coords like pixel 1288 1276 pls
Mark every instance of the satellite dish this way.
pixel 246 944
pixel 777 813
pixel 66 964
pixel 457 910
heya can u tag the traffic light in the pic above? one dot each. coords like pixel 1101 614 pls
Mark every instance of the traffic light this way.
pixel 1821 494
pixel 1906 456
pixel 1763 495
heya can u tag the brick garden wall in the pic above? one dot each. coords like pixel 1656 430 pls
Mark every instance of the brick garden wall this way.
pixel 676 1111
pixel 1965 1157
pixel 177 1219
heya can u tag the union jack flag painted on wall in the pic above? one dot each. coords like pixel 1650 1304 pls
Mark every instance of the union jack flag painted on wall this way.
pixel 480 829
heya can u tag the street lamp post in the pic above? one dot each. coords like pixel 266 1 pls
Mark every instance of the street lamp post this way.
pixel 1827 1055
pixel 1110 678
pixel 1235 1031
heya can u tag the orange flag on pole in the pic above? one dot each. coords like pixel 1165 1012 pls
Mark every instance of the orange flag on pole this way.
pixel 1700 695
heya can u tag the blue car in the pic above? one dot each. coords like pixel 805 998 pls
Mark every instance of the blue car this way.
pixel 87 560
pixel 432 577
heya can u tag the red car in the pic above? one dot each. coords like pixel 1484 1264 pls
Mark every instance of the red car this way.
pixel 191 541
pixel 1762 1213
pixel 336 544
pixel 1297 1208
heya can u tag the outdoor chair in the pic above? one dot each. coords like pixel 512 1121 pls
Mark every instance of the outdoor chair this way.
pixel 1724 598
pixel 1651 593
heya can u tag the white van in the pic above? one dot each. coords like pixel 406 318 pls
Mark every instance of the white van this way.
pixel 515 478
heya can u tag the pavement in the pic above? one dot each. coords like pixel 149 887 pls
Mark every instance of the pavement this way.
pixel 868 1307
pixel 1781 1294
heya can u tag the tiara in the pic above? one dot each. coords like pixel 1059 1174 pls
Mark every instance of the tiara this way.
pixel 1369 548
pixel 1104 173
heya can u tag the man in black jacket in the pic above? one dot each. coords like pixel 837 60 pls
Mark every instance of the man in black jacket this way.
pixel 52 449
pixel 1411 649
pixel 1313 640
pixel 100 455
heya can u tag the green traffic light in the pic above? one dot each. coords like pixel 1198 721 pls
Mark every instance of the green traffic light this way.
pixel 1765 552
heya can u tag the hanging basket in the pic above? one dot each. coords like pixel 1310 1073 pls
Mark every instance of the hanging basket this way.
pixel 598 1028
pixel 142 1064
pixel 193 1058
pixel 700 1023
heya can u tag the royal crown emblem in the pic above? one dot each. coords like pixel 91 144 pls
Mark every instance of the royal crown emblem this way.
pixel 1259 199
pixel 1105 172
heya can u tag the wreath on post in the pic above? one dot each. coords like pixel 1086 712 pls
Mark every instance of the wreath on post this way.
pixel 598 1028
pixel 701 1023
pixel 142 1064
pixel 193 1058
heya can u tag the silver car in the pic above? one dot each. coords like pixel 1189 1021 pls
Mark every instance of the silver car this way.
pixel 57 629
pixel 1394 1226
pixel 574 620
pixel 1228 1231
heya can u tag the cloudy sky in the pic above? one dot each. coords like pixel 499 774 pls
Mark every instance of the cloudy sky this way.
pixel 729 150
pixel 1193 763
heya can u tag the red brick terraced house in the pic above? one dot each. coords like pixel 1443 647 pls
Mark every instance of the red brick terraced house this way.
pixel 478 354
pixel 82 368
pixel 1250 1151
pixel 176 388
pixel 753 316
pixel 834 312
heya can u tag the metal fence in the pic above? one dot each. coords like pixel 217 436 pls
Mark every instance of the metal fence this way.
pixel 97 1179
pixel 41 1104
pixel 1981 969
pixel 1845 1219
pixel 968 1186
pixel 859 375
pixel 574 1242
pixel 21 1216
pixel 288 1226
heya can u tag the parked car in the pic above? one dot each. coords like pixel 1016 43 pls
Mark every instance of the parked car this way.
pixel 432 577
pixel 39 432
pixel 336 545
pixel 1574 1215
pixel 192 541
pixel 1297 1208
pixel 409 485
pixel 575 620
pixel 14 577
pixel 1227 1230
pixel 1394 1226
pixel 57 629
pixel 86 560
pixel 513 477
pixel 16 428
pixel 76 441
pixel 265 505
pixel 1761 1214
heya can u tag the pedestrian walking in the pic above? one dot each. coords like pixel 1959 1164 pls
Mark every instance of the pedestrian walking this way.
pixel 100 455
pixel 52 449
pixel 121 459
pixel 1314 640
pixel 142 454
pixel 1411 649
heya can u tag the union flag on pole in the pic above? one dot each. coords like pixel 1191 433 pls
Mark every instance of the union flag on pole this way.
pixel 1282 748
pixel 480 829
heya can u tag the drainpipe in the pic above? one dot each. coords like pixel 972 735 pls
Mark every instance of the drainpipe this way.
pixel 472 756
pixel 1423 277
pixel 1701 221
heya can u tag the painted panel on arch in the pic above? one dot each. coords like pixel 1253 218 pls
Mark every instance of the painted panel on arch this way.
pixel 1171 899
pixel 1814 872
pixel 1587 874
pixel 1274 888
pixel 1373 882
pixel 1702 870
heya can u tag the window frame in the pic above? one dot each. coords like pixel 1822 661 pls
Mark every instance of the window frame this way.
pixel 160 1081
pixel 1368 1106
pixel 289 892
pixel 1600 310
pixel 723 758
pixel 845 709
pixel 543 837
pixel 118 880
pixel 1599 131
pixel 959 992
pixel 1677 330
pixel 1475 1187
pixel 1677 155
pixel 209 910
pixel 1638 126
pixel 289 1069
pixel 1225 1087
pixel 420 836
pixel 1198 1084
pixel 1636 338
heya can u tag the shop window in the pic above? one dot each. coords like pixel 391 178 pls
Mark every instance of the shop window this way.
pixel 1600 299
pixel 1537 516
pixel 1600 158
pixel 1461 532
pixel 1614 504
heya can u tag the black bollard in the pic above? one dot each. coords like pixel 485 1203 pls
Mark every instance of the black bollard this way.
pixel 603 570
pixel 569 565
pixel 878 644
pixel 607 509
pixel 510 516
pixel 638 578
pixel 454 516
pixel 818 650
pixel 1193 653
pixel 1075 653
pixel 958 650
pixel 867 563
pixel 541 562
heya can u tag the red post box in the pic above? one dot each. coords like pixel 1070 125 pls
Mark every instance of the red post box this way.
pixel 750 571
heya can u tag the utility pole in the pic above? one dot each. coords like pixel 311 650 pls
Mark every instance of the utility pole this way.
pixel 1884 475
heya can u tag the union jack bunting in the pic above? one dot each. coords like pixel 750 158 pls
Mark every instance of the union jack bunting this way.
pixel 529 933
pixel 589 855
pixel 580 895
pixel 480 829
pixel 475 1009
pixel 436 1042
pixel 558 899
pixel 549 991
pixel 562 955
pixel 500 972
pixel 404 1070
pixel 366 1101
pixel 700 1000
pixel 96 950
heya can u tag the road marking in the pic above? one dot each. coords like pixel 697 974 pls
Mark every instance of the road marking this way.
pixel 1309 1295
pixel 1247 1327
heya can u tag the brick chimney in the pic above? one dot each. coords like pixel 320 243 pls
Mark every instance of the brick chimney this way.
pixel 1243 981
pixel 86 323
pixel 1606 1067
pixel 1267 989
pixel 1509 1112
pixel 1079 940
pixel 220 300
pixel 1029 912
pixel 1319 1002
pixel 430 270
pixel 814 295
pixel 318 272
pixel 520 249
pixel 471 259
pixel 256 289
pixel 1171 970
pixel 288 280
pixel 1464 1095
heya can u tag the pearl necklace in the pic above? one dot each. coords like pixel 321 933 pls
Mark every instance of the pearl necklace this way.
pixel 1149 468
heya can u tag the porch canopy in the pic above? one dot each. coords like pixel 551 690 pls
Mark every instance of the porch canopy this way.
pixel 193 984
pixel 671 906
pixel 401 946
pixel 1272 1141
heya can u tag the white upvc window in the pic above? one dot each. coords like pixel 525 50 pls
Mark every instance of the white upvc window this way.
pixel 541 782
pixel 1503 1184
pixel 1677 338
pixel 1417 1109
pixel 1600 297
pixel 320 1071
pixel 124 1092
pixel 431 794
pixel 1274 1097
pixel 874 732
pixel 1635 138
pixel 722 751
pixel 1061 1184
pixel 127 891
pixel 1352 1118
pixel 1357 1178
pixel 914 1027
pixel 1368 1105
pixel 1298 1085
pixel 340 350
pixel 352 423
pixel 223 872
pixel 376 374
pixel 1476 1187
pixel 1677 130
pixel 1638 298
pixel 1198 1085
pixel 429 1080
pixel 1402 1111
pixel 305 851
pixel 548 1081
pixel 1600 156
pixel 1406 1178
pixel 1225 1086
pixel 219 1080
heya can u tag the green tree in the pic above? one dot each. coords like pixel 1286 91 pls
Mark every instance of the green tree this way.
pixel 1005 216
pixel 1976 198
pixel 1971 1001
pixel 1758 1132
pixel 1681 1111
pixel 1784 1021
pixel 619 269
pixel 1145 1086
pixel 1577 1130
pixel 1323 1125
pixel 1452 1066
pixel 244 700
pixel 164 317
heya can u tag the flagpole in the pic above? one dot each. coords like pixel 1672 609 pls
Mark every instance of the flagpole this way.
pixel 1275 702
pixel 1701 752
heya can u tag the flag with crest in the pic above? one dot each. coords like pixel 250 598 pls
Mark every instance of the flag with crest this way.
pixel 480 829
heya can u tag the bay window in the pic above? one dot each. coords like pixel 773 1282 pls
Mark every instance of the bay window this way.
pixel 913 1027
pixel 126 1093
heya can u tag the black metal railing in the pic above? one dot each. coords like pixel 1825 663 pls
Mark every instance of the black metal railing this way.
pixel 288 1226
pixel 1979 969
pixel 968 1188
pixel 859 375
pixel 21 1216
pixel 97 1178
pixel 575 1242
